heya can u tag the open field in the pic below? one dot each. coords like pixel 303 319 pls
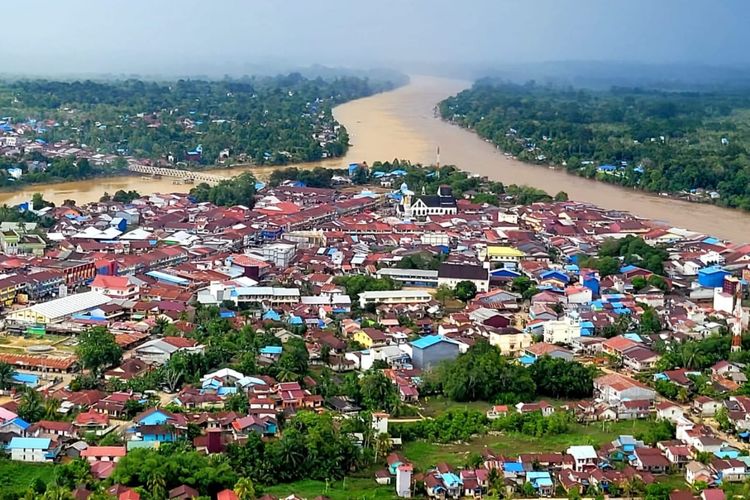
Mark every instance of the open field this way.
pixel 425 455
pixel 349 489
pixel 16 477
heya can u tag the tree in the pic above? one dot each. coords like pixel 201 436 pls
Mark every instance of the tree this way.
pixel 244 489
pixel 38 202
pixel 378 392
pixel 558 378
pixel 521 284
pixel 444 293
pixel 722 418
pixel 157 484
pixel 293 362
pixel 639 283
pixel 30 407
pixel 465 290
pixel 649 321
pixel 561 196
pixel 482 373
pixel 97 349
pixel 6 375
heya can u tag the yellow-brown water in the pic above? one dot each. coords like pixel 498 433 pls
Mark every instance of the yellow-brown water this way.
pixel 402 124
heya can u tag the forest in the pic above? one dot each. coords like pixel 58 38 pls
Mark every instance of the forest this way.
pixel 690 144
pixel 266 120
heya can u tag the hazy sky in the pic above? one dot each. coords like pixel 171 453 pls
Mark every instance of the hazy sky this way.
pixel 232 36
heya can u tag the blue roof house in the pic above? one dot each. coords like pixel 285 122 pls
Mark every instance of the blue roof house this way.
pixel 33 449
pixel 541 481
pixel 712 277
pixel 430 350
pixel 272 351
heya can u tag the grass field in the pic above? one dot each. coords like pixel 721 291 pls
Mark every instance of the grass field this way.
pixel 16 477
pixel 425 455
pixel 354 488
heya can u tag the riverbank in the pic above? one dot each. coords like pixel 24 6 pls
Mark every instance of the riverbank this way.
pixel 402 124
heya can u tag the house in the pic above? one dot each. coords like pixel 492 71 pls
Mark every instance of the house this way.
pixel 451 274
pixel 542 482
pixel 585 457
pixel 91 421
pixel 159 425
pixel 544 407
pixel 497 411
pixel 613 388
pixel 52 429
pixel 541 349
pixel 103 453
pixel 117 287
pixel 183 492
pixel 430 350
pixel 634 409
pixel 678 455
pixel 666 410
pixel 696 472
pixel 705 406
pixel 510 341
pixel 639 358
pixel 158 351
pixel 729 470
pixel 649 460
pixel 264 426
pixel 370 337
pixel 24 449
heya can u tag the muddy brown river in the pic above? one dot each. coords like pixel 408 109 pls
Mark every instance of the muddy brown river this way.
pixel 402 124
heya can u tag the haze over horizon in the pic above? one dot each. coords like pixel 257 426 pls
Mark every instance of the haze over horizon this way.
pixel 191 37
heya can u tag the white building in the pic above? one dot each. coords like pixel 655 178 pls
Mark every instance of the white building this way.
pixel 561 331
pixel 57 310
pixel 422 206
pixel 279 254
pixel 32 449
pixel 403 480
pixel 394 297
pixel 585 457
pixel 159 351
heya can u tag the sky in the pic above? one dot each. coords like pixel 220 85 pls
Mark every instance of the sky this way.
pixel 216 37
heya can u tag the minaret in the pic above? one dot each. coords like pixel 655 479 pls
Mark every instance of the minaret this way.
pixel 737 326
pixel 437 162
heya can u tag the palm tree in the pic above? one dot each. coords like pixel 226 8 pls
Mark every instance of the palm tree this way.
pixel 245 489
pixel 51 405
pixel 160 325
pixel 382 445
pixel 286 375
pixel 57 493
pixel 30 407
pixel 6 375
pixel 157 484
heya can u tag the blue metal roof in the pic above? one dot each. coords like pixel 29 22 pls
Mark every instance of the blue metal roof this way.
pixel 271 349
pixel 513 467
pixel 712 270
pixel 18 443
pixel 430 340
pixel 168 277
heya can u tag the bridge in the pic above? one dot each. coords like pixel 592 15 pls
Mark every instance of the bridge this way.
pixel 198 177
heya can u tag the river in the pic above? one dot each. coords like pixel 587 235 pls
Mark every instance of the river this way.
pixel 401 124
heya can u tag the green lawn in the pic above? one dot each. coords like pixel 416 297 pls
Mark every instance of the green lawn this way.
pixel 16 477
pixel 358 488
pixel 425 455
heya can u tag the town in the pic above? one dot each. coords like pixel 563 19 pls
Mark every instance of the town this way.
pixel 450 336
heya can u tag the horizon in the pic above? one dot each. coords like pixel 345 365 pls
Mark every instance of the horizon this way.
pixel 188 38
